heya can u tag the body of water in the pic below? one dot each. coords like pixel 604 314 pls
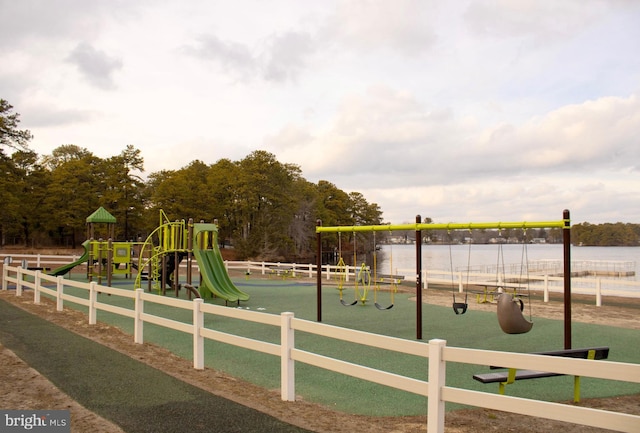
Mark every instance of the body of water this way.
pixel 402 258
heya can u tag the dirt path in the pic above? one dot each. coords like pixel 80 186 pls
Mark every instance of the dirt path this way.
pixel 23 387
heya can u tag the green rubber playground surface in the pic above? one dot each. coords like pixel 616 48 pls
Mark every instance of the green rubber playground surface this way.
pixel 475 329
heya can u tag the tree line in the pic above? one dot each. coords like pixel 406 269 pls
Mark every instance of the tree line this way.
pixel 266 209
pixel 583 234
pixel 606 235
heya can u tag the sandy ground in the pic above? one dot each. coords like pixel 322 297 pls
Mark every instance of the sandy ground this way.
pixel 24 388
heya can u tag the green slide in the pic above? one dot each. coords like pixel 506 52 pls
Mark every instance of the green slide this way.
pixel 215 278
pixel 66 268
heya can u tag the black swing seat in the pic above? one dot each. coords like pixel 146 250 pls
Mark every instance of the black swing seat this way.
pixel 460 307
pixel 347 304
pixel 380 307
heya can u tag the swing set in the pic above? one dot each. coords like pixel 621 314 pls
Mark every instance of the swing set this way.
pixel 510 307
pixel 363 277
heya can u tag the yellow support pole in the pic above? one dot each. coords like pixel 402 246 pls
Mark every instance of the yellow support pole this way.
pixel 511 377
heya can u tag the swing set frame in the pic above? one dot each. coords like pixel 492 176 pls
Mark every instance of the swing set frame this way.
pixel 418 226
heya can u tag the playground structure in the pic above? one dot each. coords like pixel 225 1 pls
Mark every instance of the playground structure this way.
pixel 103 258
pixel 174 241
pixel 509 311
pixel 158 258
pixel 161 255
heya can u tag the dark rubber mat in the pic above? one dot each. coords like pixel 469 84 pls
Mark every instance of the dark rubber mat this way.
pixel 129 393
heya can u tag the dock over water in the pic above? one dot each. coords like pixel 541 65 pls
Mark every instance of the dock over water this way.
pixel 555 268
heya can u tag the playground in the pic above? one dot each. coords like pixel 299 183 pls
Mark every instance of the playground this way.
pixel 304 413
pixel 157 259
pixel 392 311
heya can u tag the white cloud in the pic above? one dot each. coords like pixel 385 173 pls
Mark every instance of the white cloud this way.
pixel 598 133
pixel 232 57
pixel 40 115
pixel 280 58
pixel 95 65
pixel 542 21
pixel 476 109
pixel 387 144
pixel 27 23
pixel 286 56
pixel 368 25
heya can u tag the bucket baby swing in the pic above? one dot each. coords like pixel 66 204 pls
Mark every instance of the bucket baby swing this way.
pixel 459 307
pixel 510 306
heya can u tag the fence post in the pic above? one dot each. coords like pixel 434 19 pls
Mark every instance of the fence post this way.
pixel 5 275
pixel 19 277
pixel 36 290
pixel 59 289
pixel 310 270
pixel 198 339
pixel 460 284
pixel 287 365
pixel 598 292
pixel 546 288
pixel 437 377
pixel 137 317
pixel 93 298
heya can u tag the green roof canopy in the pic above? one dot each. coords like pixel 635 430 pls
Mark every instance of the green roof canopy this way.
pixel 101 215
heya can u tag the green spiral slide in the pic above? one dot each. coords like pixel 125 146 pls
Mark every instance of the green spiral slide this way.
pixel 215 278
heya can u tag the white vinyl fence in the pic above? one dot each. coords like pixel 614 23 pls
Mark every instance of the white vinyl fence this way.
pixel 436 352
pixel 598 287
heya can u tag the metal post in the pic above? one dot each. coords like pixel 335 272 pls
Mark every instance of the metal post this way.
pixel 319 271
pixel 418 280
pixel 109 261
pixel 189 253
pixel 566 244
pixel 91 261
pixel 100 242
pixel 176 246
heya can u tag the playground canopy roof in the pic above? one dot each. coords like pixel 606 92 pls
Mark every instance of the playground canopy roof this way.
pixel 101 215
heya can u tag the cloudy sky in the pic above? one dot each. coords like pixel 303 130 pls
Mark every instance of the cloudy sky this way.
pixel 492 110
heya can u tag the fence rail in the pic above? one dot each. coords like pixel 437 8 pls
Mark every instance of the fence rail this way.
pixel 436 354
pixel 599 287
